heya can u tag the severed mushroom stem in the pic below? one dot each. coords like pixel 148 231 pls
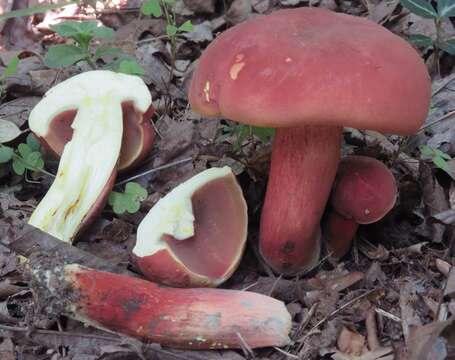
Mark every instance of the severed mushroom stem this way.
pixel 363 193
pixel 180 318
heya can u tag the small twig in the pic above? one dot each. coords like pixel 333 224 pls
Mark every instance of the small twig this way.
pixel 372 330
pixel 388 315
pixel 275 283
pixel 285 353
pixel 249 286
pixel 151 171
pixel 443 117
pixel 245 347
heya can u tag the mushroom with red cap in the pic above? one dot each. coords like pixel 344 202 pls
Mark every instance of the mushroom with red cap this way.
pixel 308 72
pixel 196 234
pixel 138 134
pixel 363 193
pixel 89 161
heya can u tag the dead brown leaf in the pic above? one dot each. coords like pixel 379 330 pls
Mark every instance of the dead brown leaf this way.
pixel 350 342
pixel 434 341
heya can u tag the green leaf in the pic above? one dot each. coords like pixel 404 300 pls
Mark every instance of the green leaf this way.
pixel 34 10
pixel 152 7
pixel 442 154
pixel 442 164
pixel 263 133
pixel 242 132
pixel 170 2
pixel 448 46
pixel 136 190
pixel 11 68
pixel 171 30
pixel 33 142
pixel 106 51
pixel 68 28
pixel 421 41
pixel 24 150
pixel 420 7
pixel 6 154
pixel 133 207
pixel 103 32
pixel 187 26
pixel 446 8
pixel 118 202
pixel 131 67
pixel 18 166
pixel 33 159
pixel 426 150
pixel 129 200
pixel 8 131
pixel 63 55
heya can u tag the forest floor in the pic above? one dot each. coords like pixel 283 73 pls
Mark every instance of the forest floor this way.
pixel 395 291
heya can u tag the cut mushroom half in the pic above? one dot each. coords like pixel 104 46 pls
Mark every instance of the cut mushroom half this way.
pixel 88 165
pixel 53 125
pixel 196 234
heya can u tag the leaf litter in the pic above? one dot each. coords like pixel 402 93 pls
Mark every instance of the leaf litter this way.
pixel 392 297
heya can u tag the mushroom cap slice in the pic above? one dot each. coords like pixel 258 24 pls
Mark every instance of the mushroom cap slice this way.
pixel 88 165
pixel 51 119
pixel 196 234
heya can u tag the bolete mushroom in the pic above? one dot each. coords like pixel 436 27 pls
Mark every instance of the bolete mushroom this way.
pixel 55 131
pixel 363 193
pixel 88 165
pixel 196 234
pixel 308 72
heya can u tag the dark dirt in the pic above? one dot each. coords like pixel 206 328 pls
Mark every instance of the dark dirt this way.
pixel 391 297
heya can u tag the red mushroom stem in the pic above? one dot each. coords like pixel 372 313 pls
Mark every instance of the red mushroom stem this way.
pixel 180 318
pixel 304 164
pixel 338 233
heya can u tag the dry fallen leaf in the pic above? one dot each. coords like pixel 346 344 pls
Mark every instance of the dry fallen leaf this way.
pixel 350 342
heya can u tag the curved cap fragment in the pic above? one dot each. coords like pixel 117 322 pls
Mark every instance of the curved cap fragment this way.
pixel 88 165
pixel 312 66
pixel 51 120
pixel 365 190
pixel 196 234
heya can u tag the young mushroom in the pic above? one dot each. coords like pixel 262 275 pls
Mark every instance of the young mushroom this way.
pixel 138 135
pixel 88 165
pixel 196 234
pixel 181 318
pixel 363 193
pixel 308 72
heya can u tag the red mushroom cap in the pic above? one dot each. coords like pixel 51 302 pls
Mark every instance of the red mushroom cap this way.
pixel 313 66
pixel 365 190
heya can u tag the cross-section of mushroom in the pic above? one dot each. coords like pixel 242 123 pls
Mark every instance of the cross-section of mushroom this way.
pixel 89 161
pixel 56 130
pixel 196 234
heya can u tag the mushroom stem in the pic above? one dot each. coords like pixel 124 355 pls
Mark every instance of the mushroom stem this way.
pixel 338 232
pixel 303 167
pixel 180 318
